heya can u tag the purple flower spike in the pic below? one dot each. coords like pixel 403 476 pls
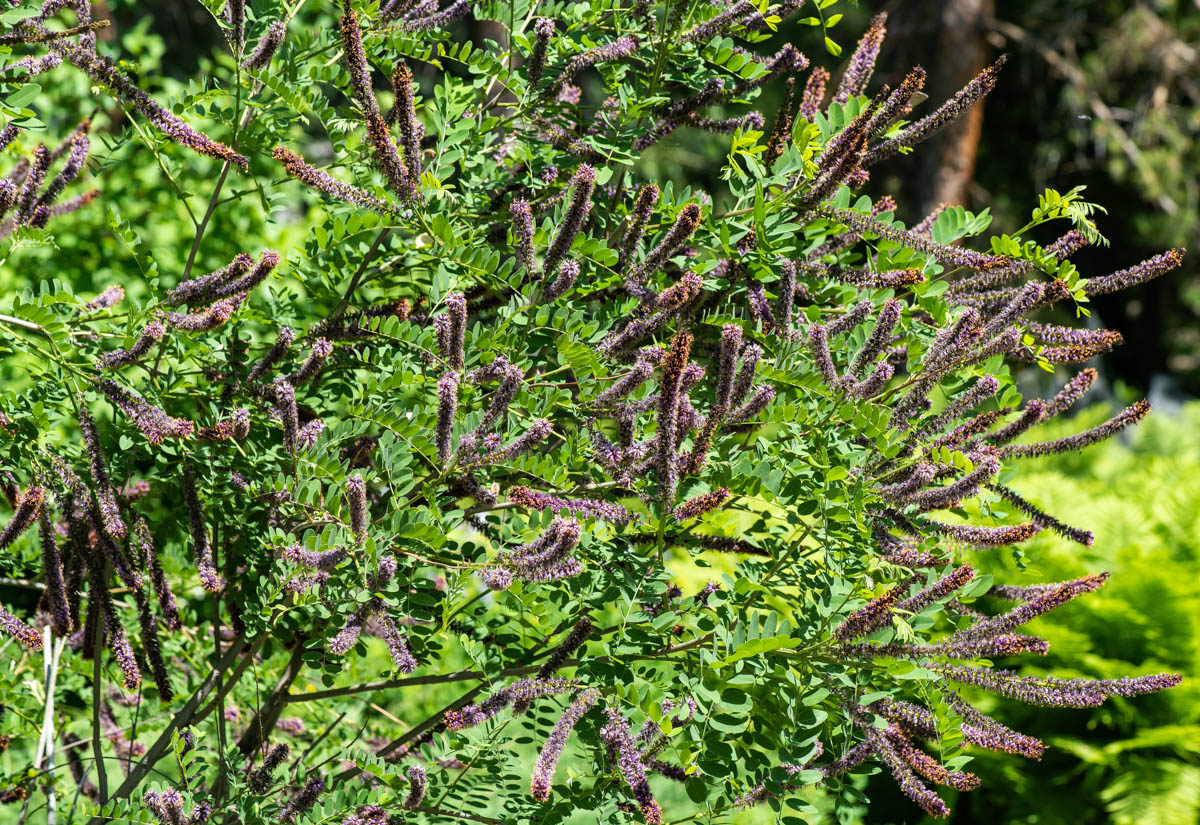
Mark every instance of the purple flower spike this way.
pixel 16 629
pixel 983 83
pixel 203 289
pixel 1042 518
pixel 271 40
pixel 578 209
pixel 447 407
pixel 106 499
pixel 285 398
pixel 323 183
pixel 547 761
pixel 104 72
pixel 522 229
pixel 616 736
pixel 1145 271
pixel 543 30
pixel 356 499
pixel 303 801
pixel 25 514
pixel 283 342
pixel 52 569
pixel 153 422
pixel 411 129
pixel 261 780
pixel 573 641
pixel 876 614
pixel 862 62
pixel 699 505
pixel 417 784
pixel 208 319
pixel 622 47
pixel 639 217
pixel 209 578
pixel 1127 417
pixel 814 93
pixel 151 333
pixel 397 645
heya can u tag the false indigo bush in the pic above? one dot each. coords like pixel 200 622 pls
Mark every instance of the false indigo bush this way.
pixel 500 407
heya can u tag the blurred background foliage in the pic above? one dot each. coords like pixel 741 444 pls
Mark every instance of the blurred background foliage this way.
pixel 1104 93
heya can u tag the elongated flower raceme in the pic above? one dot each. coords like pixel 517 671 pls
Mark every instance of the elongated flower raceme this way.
pixel 1040 602
pixel 261 779
pixel 676 114
pixel 896 106
pixel 114 632
pixel 723 22
pixel 144 543
pixel 283 342
pixel 862 63
pixel 546 558
pixel 75 159
pixel 572 642
pixel 33 184
pixel 397 645
pixel 456 309
pixel 814 93
pixel 876 614
pixel 323 183
pixel 25 514
pixel 622 47
pixel 699 505
pixel 208 319
pixel 1041 518
pixel 202 550
pixel 1051 691
pixel 568 273
pixel 684 227
pixel 629 765
pixel 987 536
pixel 951 256
pixel 543 30
pixel 387 157
pixel 285 398
pixel 1127 417
pixel 639 217
pixel 522 228
pixel 103 72
pixel 106 499
pixel 672 367
pixel 321 350
pixel 268 44
pixel 52 570
pixel 303 801
pixel 606 511
pixel 578 209
pixel 437 20
pixel 417 784
pixel 447 392
pixel 526 690
pixel 552 748
pixel 1145 271
pixel 152 421
pixel 953 108
pixel 410 128
pixel 17 630
pixel 152 332
pixel 356 500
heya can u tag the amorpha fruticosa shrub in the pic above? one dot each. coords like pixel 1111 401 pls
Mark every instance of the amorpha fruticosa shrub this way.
pixel 523 484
